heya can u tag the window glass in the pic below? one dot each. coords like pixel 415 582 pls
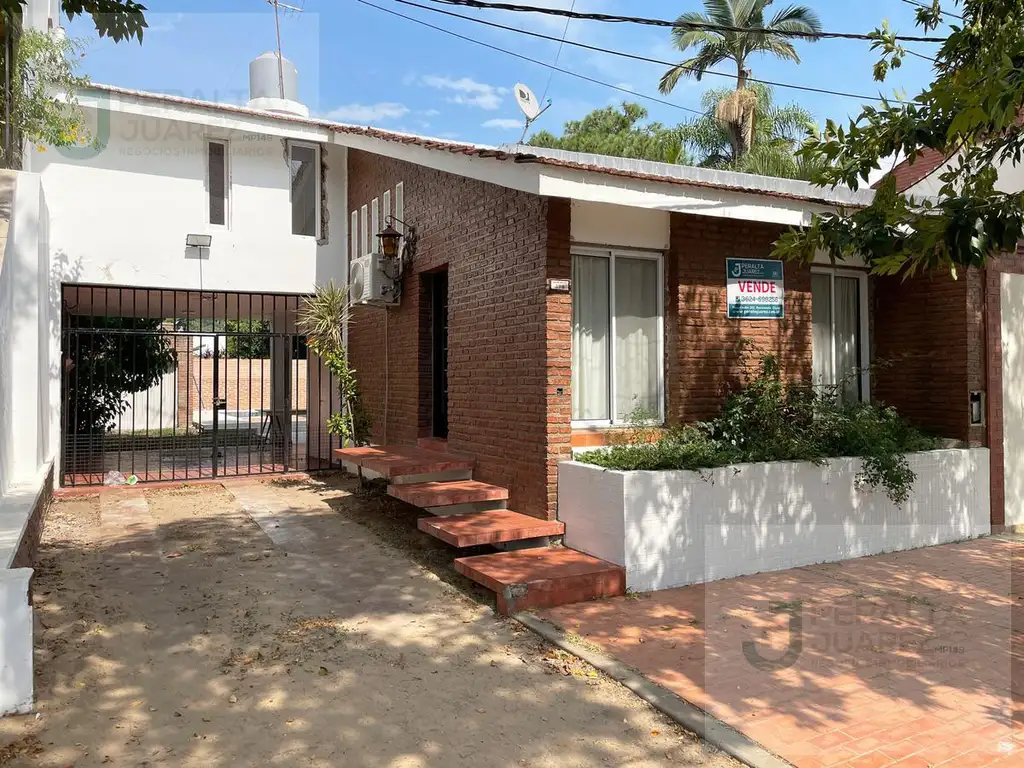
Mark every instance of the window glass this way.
pixel 218 187
pixel 590 332
pixel 305 190
pixel 637 364
pixel 836 341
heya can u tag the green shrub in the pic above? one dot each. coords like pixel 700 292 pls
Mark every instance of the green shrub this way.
pixel 769 420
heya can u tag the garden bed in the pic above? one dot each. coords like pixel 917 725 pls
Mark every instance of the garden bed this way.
pixel 671 528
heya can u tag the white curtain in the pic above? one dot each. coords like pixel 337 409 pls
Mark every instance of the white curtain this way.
pixel 821 320
pixel 847 335
pixel 590 331
pixel 636 337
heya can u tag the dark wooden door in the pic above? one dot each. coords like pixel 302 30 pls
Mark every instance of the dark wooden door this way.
pixel 439 353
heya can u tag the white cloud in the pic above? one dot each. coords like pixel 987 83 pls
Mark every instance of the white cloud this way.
pixel 430 112
pixel 468 91
pixel 368 113
pixel 504 123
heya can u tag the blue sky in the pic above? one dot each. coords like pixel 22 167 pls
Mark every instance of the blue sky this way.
pixel 358 64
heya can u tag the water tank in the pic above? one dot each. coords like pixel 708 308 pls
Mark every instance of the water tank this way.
pixel 265 85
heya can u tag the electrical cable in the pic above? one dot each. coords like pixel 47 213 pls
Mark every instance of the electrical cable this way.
pixel 597 49
pixel 674 24
pixel 538 62
pixel 558 54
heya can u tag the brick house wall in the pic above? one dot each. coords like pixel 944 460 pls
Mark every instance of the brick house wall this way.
pixel 928 350
pixel 508 350
pixel 702 344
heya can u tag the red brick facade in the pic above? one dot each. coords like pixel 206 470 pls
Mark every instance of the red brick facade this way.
pixel 510 339
pixel 499 247
pixel 703 345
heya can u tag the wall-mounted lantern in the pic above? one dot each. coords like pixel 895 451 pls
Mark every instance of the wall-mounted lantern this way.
pixel 390 239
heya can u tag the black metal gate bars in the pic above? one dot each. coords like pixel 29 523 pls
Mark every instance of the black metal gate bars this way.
pixel 182 385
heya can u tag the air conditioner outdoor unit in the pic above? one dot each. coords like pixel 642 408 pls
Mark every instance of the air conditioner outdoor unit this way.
pixel 368 280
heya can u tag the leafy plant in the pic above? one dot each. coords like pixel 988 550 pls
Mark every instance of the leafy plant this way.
pixel 106 364
pixel 748 32
pixel 44 83
pixel 322 318
pixel 116 19
pixel 620 132
pixel 770 420
pixel 970 113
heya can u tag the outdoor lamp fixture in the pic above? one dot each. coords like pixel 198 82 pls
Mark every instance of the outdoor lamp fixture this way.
pixel 390 239
pixel 198 241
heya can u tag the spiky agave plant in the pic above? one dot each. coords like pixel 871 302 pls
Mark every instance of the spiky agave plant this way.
pixel 322 318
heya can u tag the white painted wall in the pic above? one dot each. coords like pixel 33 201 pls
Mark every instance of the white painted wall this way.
pixel 15 642
pixel 604 224
pixel 120 213
pixel 669 529
pixel 28 411
pixel 1011 291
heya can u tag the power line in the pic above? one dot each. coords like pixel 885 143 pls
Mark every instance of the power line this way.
pixel 675 24
pixel 558 54
pixel 928 7
pixel 527 58
pixel 625 55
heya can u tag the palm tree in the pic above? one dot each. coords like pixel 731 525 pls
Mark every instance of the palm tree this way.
pixel 778 132
pixel 755 35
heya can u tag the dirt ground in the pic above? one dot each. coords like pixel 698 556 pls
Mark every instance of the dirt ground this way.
pixel 303 624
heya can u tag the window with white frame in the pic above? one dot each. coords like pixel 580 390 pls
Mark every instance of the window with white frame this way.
pixel 217 182
pixel 617 336
pixel 840 332
pixel 304 163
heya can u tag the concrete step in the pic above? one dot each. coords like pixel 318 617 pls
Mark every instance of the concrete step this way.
pixel 405 463
pixel 543 578
pixel 434 495
pixel 495 526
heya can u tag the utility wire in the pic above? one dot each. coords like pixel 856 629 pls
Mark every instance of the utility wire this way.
pixel 928 7
pixel 558 54
pixel 595 81
pixel 675 24
pixel 612 52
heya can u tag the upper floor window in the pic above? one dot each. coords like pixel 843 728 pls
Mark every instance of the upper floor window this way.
pixel 304 163
pixel 217 181
pixel 839 348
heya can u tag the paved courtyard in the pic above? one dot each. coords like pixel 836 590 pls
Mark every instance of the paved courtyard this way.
pixel 909 659
pixel 286 624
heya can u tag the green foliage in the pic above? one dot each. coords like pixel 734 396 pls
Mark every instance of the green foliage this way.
pixel 116 19
pixel 618 132
pixel 970 113
pixel 252 347
pixel 777 133
pixel 103 367
pixel 714 46
pixel 322 318
pixel 769 420
pixel 44 106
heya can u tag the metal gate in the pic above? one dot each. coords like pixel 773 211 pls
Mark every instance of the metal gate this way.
pixel 183 385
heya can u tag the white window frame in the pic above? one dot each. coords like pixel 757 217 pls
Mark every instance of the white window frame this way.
pixel 353 235
pixel 611 254
pixel 318 186
pixel 227 182
pixel 374 224
pixel 865 324
pixel 400 206
pixel 364 230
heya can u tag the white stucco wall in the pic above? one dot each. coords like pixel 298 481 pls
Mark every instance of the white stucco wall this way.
pixel 15 642
pixel 120 213
pixel 604 224
pixel 1011 291
pixel 681 528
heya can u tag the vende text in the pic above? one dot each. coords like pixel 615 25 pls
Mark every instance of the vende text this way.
pixel 750 286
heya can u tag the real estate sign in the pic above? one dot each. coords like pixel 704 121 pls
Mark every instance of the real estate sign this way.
pixel 754 288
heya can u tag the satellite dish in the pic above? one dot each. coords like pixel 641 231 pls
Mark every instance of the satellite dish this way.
pixel 527 102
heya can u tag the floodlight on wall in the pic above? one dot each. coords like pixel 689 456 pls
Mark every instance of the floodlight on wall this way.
pixel 198 241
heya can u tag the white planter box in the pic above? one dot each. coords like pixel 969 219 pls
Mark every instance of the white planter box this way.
pixel 669 529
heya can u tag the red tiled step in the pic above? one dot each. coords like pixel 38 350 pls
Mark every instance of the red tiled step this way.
pixel 543 578
pixel 438 444
pixel 490 527
pixel 446 494
pixel 402 460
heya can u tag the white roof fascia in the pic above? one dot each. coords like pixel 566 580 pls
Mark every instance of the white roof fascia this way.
pixel 702 201
pixel 198 114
